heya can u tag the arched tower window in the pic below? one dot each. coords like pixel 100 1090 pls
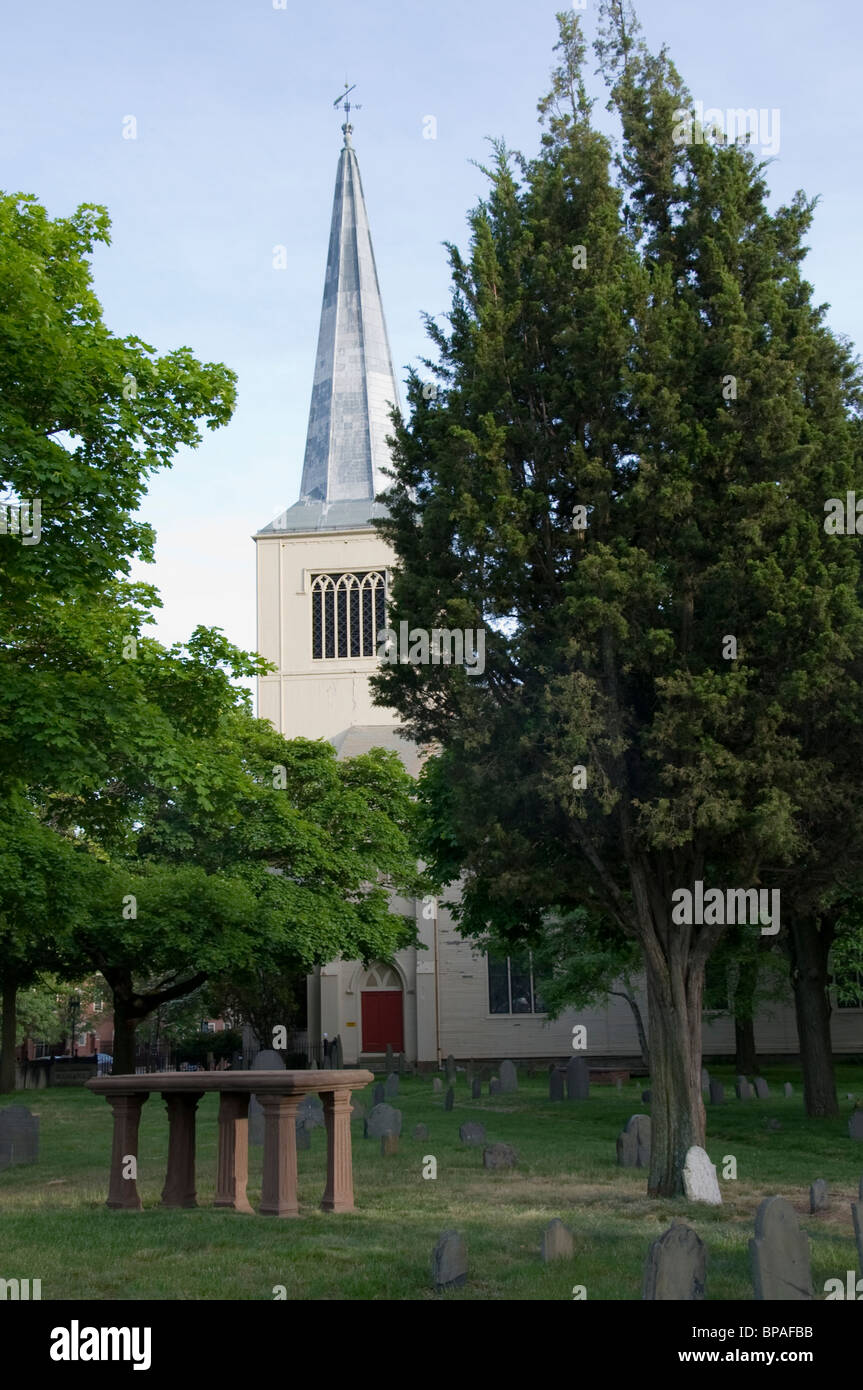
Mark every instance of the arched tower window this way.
pixel 348 611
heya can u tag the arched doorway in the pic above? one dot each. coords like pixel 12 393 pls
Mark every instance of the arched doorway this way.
pixel 382 1011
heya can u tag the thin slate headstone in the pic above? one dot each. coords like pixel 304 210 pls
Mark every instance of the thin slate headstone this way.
pixel 389 1145
pixel 304 1138
pixel 499 1156
pixel 268 1060
pixel 744 1090
pixel 310 1112
pixel 555 1085
pixel 450 1070
pixel 633 1143
pixel 855 1125
pixel 676 1267
pixel 421 1131
pixel 449 1099
pixel 384 1119
pixel 779 1254
pixel 819 1196
pixel 699 1177
pixel 762 1090
pixel 449 1261
pixel 437 1085
pixel 391 1089
pixel 557 1242
pixel 508 1077
pixel 476 1089
pixel 789 1090
pixel 472 1133
pixel 494 1087
pixel 379 1094
pixel 857 1218
pixel 577 1079
pixel 717 1093
pixel 19 1136
pixel 646 1097
pixel 619 1084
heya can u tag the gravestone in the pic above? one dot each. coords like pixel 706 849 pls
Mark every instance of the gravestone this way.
pixel 557 1243
pixel 699 1177
pixel 646 1097
pixel 744 1090
pixel 494 1087
pixel 619 1084
pixel 73 1071
pixel 379 1094
pixel 471 1133
pixel 358 1110
pixel 389 1062
pixel 437 1086
pixel 577 1079
pixel 310 1112
pixel 779 1254
pixel 633 1143
pixel 857 1217
pixel 762 1090
pixel 449 1261
pixel 304 1138
pixel 717 1093
pixel 819 1196
pixel 676 1267
pixel 855 1125
pixel 508 1077
pixel 476 1089
pixel 499 1156
pixel 705 1080
pixel 421 1131
pixel 384 1119
pixel 449 1099
pixel 268 1060
pixel 450 1070
pixel 19 1136
pixel 789 1090
pixel 389 1145
pixel 468 1073
pixel 555 1084
pixel 391 1089
pixel 336 1053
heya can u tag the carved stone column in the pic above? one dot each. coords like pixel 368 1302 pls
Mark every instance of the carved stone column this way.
pixel 179 1189
pixel 233 1164
pixel 339 1191
pixel 279 1182
pixel 123 1191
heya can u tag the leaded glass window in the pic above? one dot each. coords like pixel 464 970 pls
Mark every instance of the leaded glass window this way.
pixel 348 612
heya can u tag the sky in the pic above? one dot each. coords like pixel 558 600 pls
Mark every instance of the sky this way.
pixel 235 152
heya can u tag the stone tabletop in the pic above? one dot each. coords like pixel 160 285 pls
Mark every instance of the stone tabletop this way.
pixel 257 1082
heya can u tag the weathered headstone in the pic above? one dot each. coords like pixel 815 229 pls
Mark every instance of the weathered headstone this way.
pixel 471 1133
pixel 437 1085
pixel 779 1254
pixel 391 1089
pixel 717 1093
pixel 449 1261
pixel 555 1084
pixel 268 1060
pixel 699 1177
pixel 789 1090
pixel 508 1077
pixel 379 1094
pixel 557 1243
pixel 499 1156
pixel 819 1196
pixel 494 1087
pixel 19 1136
pixel 676 1267
pixel 389 1145
pixel 855 1125
pixel 646 1097
pixel 450 1070
pixel 421 1131
pixel 384 1119
pixel 744 1090
pixel 633 1143
pixel 304 1138
pixel 476 1089
pixel 762 1090
pixel 449 1099
pixel 310 1112
pixel 577 1079
pixel 618 1084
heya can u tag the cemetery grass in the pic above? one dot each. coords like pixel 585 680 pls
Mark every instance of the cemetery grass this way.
pixel 54 1225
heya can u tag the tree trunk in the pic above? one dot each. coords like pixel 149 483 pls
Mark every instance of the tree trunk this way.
pixel 126 1019
pixel 7 1036
pixel 811 940
pixel 745 1056
pixel 674 992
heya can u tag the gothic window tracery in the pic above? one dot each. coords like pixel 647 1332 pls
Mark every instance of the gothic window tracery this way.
pixel 348 611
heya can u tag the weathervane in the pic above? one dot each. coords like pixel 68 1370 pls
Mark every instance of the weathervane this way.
pixel 342 100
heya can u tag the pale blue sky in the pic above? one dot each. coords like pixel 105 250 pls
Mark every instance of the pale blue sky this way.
pixel 236 153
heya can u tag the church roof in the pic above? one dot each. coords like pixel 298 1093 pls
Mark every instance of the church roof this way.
pixel 354 386
pixel 360 738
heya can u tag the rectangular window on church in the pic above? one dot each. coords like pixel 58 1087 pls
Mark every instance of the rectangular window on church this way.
pixel 511 986
pixel 348 612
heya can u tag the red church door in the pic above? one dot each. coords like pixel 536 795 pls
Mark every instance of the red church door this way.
pixel 382 1020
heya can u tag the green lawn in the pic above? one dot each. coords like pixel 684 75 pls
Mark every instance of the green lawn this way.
pixel 54 1224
